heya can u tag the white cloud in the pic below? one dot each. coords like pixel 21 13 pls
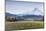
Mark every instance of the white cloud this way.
pixel 30 0
pixel 23 8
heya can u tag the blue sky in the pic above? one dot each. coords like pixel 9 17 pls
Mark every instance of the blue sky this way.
pixel 23 8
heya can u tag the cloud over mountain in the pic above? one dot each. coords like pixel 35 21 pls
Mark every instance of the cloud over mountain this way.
pixel 23 8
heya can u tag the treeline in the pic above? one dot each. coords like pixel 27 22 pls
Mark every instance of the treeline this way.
pixel 10 18
pixel 13 19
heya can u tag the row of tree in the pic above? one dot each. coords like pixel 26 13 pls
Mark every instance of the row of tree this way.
pixel 13 19
pixel 10 18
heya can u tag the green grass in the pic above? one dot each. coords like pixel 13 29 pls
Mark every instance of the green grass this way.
pixel 26 25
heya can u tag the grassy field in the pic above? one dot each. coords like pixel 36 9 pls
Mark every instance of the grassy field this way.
pixel 21 25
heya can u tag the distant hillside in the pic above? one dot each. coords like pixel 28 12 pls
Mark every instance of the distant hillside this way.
pixel 8 14
pixel 39 16
pixel 25 16
pixel 30 17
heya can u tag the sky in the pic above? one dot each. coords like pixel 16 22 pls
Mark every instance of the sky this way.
pixel 24 7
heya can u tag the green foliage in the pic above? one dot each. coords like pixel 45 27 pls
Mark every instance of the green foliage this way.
pixel 28 25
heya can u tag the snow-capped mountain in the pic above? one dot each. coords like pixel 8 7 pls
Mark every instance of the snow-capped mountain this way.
pixel 25 16
pixel 37 11
pixel 33 12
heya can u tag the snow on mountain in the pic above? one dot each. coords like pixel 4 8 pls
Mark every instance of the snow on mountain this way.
pixel 36 11
pixel 33 12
